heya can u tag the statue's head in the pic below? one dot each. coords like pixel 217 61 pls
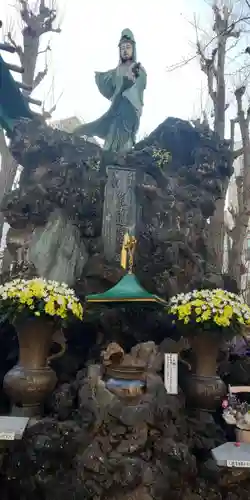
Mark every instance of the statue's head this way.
pixel 126 51
pixel 127 46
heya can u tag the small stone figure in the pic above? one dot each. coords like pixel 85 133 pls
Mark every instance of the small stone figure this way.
pixel 124 86
pixel 57 251
pixel 114 354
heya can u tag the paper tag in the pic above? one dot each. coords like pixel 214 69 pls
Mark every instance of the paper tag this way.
pixel 238 463
pixel 7 436
pixel 171 373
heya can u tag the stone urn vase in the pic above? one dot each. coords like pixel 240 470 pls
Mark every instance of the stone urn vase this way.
pixel 242 435
pixel 126 382
pixel 204 389
pixel 31 380
pixel 124 374
pixel 242 429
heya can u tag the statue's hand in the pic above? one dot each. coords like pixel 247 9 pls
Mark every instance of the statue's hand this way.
pixel 127 82
pixel 135 68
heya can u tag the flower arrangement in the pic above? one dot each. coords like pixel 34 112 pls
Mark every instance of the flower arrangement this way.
pixel 38 297
pixel 236 413
pixel 212 310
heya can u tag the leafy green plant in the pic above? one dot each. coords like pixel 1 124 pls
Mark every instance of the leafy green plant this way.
pixel 162 157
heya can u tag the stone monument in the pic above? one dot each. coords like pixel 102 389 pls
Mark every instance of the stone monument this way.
pixel 124 86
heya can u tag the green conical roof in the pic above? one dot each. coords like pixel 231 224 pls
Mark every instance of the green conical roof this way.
pixel 127 290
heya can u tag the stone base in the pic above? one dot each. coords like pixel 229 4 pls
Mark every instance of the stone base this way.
pixel 232 455
pixel 92 445
pixel 26 411
pixel 12 428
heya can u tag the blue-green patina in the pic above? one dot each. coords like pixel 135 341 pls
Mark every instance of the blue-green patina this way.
pixel 13 104
pixel 119 125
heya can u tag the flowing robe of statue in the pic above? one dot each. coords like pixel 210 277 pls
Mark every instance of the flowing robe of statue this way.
pixel 119 125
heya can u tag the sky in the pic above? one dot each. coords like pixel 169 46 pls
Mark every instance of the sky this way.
pixel 164 34
pixel 89 42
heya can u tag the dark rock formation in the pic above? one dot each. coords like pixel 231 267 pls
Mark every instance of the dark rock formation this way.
pixel 90 444
pixel 176 196
pixel 93 445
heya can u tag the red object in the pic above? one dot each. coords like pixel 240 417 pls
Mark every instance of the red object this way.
pixel 237 445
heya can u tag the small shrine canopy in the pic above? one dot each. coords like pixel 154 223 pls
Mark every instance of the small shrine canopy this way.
pixel 127 290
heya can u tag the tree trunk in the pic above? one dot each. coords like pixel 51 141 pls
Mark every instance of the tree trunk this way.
pixel 241 221
pixel 217 226
pixel 220 98
pixel 29 58
pixel 8 164
pixel 7 174
pixel 35 25
pixel 236 250
pixel 217 232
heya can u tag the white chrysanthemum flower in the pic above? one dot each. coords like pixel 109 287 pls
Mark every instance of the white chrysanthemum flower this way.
pixel 60 301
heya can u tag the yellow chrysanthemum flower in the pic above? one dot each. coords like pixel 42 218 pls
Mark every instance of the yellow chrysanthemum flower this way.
pixel 216 306
pixel 41 296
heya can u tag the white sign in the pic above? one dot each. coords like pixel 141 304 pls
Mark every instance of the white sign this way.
pixel 244 464
pixel 7 436
pixel 171 373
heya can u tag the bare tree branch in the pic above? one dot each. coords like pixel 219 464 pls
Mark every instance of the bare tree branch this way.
pixel 42 6
pixel 213 39
pixel 48 49
pixel 40 77
pixel 239 231
pixel 25 12
pixel 37 25
pixel 208 67
pixel 239 92
pixel 237 153
pixel 18 48
pixel 214 68
pixel 228 33
pixel 49 113
pixel 33 25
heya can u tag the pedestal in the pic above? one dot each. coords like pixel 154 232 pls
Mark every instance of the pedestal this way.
pixel 120 211
pixel 232 455
pixel 12 428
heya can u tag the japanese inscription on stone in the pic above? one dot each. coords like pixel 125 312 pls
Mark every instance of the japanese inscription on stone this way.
pixel 171 373
pixel 120 213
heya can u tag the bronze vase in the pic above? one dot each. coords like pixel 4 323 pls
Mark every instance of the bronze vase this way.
pixel 242 435
pixel 31 380
pixel 204 388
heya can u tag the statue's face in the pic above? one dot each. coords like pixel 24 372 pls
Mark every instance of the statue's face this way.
pixel 126 51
